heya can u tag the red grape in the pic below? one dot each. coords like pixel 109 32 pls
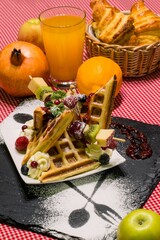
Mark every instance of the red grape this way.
pixel 76 129
pixel 70 101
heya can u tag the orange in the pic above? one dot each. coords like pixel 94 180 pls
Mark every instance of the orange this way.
pixel 95 72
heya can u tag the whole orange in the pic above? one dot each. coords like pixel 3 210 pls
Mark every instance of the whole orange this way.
pixel 95 72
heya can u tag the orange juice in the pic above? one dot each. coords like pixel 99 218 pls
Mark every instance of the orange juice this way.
pixel 63 38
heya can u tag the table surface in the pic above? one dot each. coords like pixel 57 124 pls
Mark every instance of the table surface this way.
pixel 138 100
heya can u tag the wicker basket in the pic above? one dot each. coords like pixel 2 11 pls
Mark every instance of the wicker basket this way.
pixel 134 61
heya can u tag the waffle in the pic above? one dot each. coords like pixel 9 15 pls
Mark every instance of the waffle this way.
pixel 38 118
pixel 67 155
pixel 101 104
pixel 67 159
pixel 46 138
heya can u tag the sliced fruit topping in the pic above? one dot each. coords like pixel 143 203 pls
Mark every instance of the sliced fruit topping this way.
pixel 90 132
pixel 21 143
pixel 42 92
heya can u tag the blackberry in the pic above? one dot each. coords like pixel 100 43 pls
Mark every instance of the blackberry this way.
pixel 104 159
pixel 24 169
pixel 82 98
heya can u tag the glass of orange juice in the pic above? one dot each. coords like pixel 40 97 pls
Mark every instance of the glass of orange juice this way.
pixel 63 31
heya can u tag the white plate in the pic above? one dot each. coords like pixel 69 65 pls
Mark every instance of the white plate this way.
pixel 10 130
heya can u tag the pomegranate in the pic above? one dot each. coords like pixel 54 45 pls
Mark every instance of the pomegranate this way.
pixel 18 61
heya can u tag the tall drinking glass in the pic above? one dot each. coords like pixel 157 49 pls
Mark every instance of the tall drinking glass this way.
pixel 63 31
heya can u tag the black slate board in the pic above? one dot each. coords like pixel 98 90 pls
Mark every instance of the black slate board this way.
pixel 21 204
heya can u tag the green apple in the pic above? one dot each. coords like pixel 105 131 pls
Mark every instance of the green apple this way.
pixel 139 224
pixel 30 31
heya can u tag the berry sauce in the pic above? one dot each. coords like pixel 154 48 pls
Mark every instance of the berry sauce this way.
pixel 139 147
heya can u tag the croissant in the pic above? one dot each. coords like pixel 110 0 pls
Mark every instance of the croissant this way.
pixel 109 24
pixel 146 24
pixel 145 21
pixel 142 40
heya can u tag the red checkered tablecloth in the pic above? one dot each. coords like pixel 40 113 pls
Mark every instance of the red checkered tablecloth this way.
pixel 139 98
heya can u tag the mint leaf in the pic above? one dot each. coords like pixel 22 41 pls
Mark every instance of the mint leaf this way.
pixel 58 94
pixel 56 110
pixel 49 104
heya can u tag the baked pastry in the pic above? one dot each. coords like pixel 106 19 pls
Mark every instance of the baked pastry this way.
pixel 110 25
pixel 145 21
pixel 140 40
pixel 146 24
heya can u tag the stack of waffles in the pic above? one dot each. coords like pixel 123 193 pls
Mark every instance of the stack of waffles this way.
pixel 67 155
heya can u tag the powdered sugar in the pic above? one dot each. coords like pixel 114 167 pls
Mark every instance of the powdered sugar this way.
pixel 114 192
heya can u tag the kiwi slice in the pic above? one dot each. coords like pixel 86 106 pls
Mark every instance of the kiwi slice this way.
pixel 90 132
pixel 41 91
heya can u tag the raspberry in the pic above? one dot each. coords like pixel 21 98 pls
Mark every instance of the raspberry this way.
pixel 21 143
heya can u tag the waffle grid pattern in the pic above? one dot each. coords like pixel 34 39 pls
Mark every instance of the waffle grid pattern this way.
pixel 68 159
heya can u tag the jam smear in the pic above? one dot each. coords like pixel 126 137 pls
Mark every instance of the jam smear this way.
pixel 139 147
